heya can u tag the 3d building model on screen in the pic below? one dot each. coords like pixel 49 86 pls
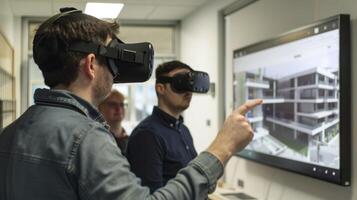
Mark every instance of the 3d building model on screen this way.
pixel 299 117
pixel 303 77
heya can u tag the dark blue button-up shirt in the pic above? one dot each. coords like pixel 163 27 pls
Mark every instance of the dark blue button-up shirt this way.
pixel 158 148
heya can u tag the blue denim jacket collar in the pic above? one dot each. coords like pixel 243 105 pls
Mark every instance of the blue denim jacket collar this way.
pixel 64 98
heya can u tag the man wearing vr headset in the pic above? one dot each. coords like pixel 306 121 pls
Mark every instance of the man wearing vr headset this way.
pixel 161 142
pixel 60 148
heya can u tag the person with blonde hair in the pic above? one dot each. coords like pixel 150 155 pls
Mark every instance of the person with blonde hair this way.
pixel 113 111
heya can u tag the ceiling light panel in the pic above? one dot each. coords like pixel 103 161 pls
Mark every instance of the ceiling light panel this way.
pixel 103 10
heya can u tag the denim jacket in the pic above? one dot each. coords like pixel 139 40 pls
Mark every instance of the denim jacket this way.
pixel 61 149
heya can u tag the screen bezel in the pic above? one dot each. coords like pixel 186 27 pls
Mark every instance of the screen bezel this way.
pixel 343 175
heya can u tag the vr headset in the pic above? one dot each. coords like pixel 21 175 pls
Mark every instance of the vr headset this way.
pixel 127 62
pixel 193 81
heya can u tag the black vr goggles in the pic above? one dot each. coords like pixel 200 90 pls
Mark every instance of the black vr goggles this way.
pixel 193 81
pixel 126 62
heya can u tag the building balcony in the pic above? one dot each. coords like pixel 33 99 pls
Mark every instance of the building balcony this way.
pixel 326 83
pixel 307 129
pixel 273 100
pixel 254 119
pixel 317 100
pixel 253 83
pixel 336 111
pixel 286 89
pixel 318 86
pixel 318 114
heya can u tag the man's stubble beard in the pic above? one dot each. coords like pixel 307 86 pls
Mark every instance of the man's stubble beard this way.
pixel 102 87
pixel 184 107
pixel 179 108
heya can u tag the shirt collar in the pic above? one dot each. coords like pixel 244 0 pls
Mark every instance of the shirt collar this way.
pixel 64 98
pixel 167 118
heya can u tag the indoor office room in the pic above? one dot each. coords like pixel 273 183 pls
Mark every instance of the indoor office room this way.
pixel 178 99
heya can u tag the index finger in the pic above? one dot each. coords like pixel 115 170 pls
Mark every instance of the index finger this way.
pixel 249 105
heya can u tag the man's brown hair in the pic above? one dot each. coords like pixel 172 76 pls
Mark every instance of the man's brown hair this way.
pixel 165 68
pixel 52 39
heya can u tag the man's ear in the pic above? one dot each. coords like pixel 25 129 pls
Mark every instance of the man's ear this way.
pixel 160 88
pixel 88 67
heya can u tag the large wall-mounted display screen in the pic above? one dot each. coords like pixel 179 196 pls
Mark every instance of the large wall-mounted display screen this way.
pixel 303 77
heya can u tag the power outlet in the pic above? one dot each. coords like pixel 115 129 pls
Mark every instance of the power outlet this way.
pixel 240 183
pixel 208 122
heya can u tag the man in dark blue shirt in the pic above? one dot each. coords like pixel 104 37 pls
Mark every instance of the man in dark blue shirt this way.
pixel 161 144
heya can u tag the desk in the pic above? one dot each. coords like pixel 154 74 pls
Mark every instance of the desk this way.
pixel 229 194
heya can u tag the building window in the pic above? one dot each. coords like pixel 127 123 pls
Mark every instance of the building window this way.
pixel 308 94
pixel 331 81
pixel 161 37
pixel 285 111
pixel 320 106
pixel 284 84
pixel 306 107
pixel 309 79
pixel 292 82
pixel 321 93
pixel 321 120
pixel 332 106
pixel 251 93
pixel 331 93
pixel 321 79
pixel 307 121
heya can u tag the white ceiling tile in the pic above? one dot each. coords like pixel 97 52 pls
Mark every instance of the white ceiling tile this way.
pixel 169 2
pixel 183 2
pixel 131 11
pixel 170 12
pixel 65 3
pixel 31 8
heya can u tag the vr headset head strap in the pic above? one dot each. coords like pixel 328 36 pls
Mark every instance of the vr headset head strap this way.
pixel 164 79
pixel 122 54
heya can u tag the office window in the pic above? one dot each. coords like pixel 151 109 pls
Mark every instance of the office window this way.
pixel 161 37
pixel 141 97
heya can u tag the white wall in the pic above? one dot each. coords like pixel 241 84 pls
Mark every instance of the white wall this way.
pixel 199 49
pixel 17 62
pixel 262 20
pixel 10 27
pixel 6 20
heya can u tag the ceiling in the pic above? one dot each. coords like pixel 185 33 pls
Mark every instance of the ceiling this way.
pixel 133 9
